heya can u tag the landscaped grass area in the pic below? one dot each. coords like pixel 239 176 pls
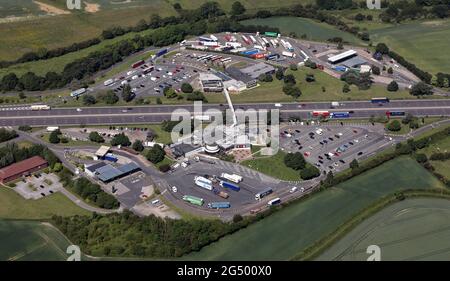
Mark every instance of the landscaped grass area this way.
pixel 291 230
pixel 273 166
pixel 272 91
pixel 13 206
pixel 424 43
pixel 45 137
pixel 420 233
pixel 314 30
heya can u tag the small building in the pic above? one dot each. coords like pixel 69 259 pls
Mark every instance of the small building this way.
pixel 342 56
pixel 185 150
pixel 91 169
pixel 102 151
pixel 108 173
pixel 238 75
pixel 210 82
pixel 22 168
pixel 255 70
pixel 354 62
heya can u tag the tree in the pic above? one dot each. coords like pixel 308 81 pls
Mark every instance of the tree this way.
pixel 177 6
pixel 309 172
pixel 155 154
pixel 346 88
pixel 394 126
pixel 295 161
pixel 137 145
pixel 310 77
pixel 109 97
pixel 279 74
pixel 120 139
pixel 421 157
pixel 359 17
pixel 441 11
pixel 96 137
pixel 421 89
pixel 392 87
pixel 54 136
pixel 376 70
pixel 89 100
pixel 382 48
pixel 354 164
pixel 289 79
pixel 9 82
pixel 237 218
pixel 127 94
pixel 186 88
pixel 237 8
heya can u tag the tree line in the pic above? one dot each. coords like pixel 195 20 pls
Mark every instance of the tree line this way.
pixel 89 191
pixel 6 135
pixel 11 153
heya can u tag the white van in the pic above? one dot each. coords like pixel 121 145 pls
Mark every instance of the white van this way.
pixel 278 105
pixel 154 202
pixel 293 189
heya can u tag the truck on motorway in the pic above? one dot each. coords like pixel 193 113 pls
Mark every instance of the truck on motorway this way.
pixel 334 104
pixel 340 114
pixel 219 205
pixel 40 107
pixel 288 54
pixel 395 113
pixel 262 194
pixel 318 113
pixel 193 200
pixel 379 100
pixel 274 202
pixel 232 177
pixel 203 182
pixel 229 185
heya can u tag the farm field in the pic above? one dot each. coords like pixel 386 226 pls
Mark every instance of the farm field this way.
pixel 441 167
pixel 13 206
pixel 424 43
pixel 31 241
pixel 53 31
pixel 414 229
pixel 291 230
pixel 314 30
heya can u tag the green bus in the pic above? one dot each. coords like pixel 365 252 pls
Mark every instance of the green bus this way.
pixel 271 34
pixel 193 200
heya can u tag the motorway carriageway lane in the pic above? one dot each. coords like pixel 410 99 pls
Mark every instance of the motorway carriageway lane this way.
pixel 346 106
pixel 141 118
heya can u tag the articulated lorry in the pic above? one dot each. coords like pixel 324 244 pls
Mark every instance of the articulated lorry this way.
pixel 232 177
pixel 203 182
pixel 229 185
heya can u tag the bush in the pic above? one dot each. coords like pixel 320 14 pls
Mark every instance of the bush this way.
pixel 89 100
pixel 186 88
pixel 293 67
pixel 156 154
pixel 96 137
pixel 164 168
pixel 393 86
pixel 137 145
pixel 309 172
pixel 421 89
pixel 295 161
pixel 120 139
pixel 394 126
pixel 6 135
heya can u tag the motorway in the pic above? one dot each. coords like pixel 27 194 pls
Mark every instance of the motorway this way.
pixel 158 113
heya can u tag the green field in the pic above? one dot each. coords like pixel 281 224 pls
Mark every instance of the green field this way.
pixel 291 230
pixel 14 206
pixel 273 166
pixel 314 30
pixel 424 43
pixel 441 167
pixel 414 229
